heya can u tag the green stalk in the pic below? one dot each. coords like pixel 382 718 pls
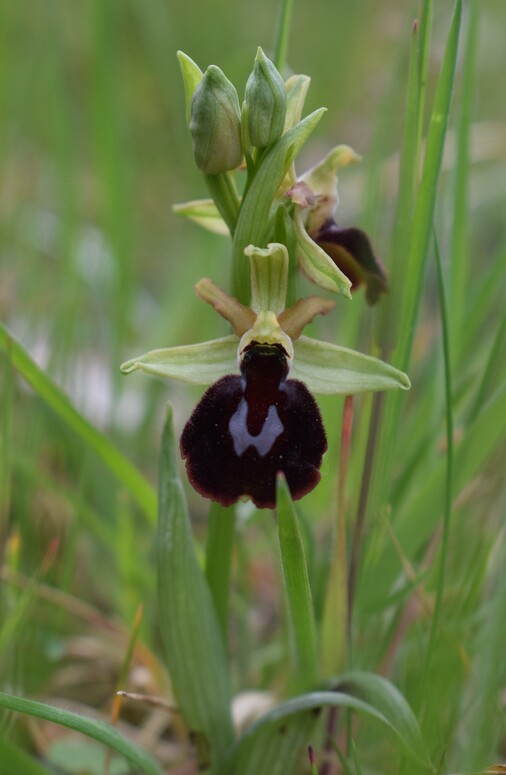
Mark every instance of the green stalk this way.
pixel 220 542
pixel 223 190
pixel 299 601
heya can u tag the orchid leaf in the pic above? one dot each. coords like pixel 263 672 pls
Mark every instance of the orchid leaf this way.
pixel 204 213
pixel 194 648
pixel 332 370
pixel 198 364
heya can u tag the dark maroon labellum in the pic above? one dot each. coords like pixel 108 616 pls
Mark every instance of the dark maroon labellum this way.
pixel 351 250
pixel 247 428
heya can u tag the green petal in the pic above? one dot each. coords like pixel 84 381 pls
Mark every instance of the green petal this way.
pixel 317 265
pixel 296 91
pixel 204 213
pixel 332 370
pixel 269 277
pixel 199 364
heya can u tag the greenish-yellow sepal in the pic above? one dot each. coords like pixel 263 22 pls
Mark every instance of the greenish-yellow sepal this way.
pixel 332 370
pixel 192 76
pixel 296 89
pixel 198 364
pixel 204 213
pixel 317 264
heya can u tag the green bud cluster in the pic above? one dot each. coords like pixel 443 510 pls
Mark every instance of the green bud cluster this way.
pixel 219 141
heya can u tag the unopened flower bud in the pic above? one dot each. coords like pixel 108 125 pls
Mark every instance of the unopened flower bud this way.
pixel 266 102
pixel 215 123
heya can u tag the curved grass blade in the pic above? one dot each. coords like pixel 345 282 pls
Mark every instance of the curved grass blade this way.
pixel 273 744
pixel 126 473
pixel 191 636
pixel 98 730
pixel 298 598
pixel 387 700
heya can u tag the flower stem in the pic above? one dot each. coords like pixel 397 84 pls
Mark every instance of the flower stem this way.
pixel 223 191
pixel 220 543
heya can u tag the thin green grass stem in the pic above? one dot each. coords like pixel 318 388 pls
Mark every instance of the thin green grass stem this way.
pixel 459 250
pixel 282 34
pixel 436 618
pixel 425 205
pixel 408 175
pixel 426 15
pixel 493 371
pixel 6 368
pixel 414 239
pixel 220 544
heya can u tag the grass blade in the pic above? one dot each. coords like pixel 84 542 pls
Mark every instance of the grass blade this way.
pixel 264 747
pixel 387 700
pixel 448 500
pixel 191 636
pixel 460 231
pixel 299 602
pixel 98 730
pixel 418 516
pixel 425 205
pixel 126 473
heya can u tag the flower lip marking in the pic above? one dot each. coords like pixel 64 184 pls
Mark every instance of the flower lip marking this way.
pixel 248 428
pixel 264 369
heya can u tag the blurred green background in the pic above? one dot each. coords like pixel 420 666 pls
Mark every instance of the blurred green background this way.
pixel 95 268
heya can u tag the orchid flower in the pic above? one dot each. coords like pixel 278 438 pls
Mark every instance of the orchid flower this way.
pixel 258 416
